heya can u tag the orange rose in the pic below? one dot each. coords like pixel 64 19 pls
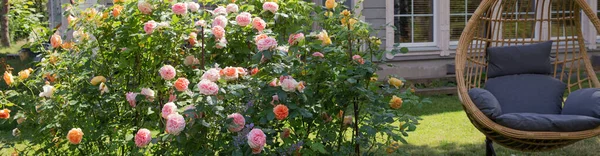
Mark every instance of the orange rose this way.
pixel 75 135
pixel 254 71
pixel 50 77
pixel 8 78
pixel 395 102
pixel 4 114
pixel 192 39
pixel 281 112
pixel 117 10
pixel 67 45
pixel 55 41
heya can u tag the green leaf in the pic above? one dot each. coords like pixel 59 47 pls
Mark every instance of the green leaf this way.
pixel 270 115
pixel 9 104
pixel 318 147
pixel 150 111
pixel 404 50
pixel 128 137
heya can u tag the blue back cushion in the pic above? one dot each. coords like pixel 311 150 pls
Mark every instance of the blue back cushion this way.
pixel 522 59
pixel 486 102
pixel 583 102
pixel 547 122
pixel 527 93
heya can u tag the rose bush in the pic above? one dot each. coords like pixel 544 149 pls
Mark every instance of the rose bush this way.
pixel 248 77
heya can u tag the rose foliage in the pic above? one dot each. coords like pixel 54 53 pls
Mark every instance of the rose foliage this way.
pixel 219 77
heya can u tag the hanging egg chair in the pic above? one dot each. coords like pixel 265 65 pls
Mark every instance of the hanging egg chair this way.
pixel 498 23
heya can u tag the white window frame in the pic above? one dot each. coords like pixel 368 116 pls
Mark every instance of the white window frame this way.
pixel 433 15
pixel 441 32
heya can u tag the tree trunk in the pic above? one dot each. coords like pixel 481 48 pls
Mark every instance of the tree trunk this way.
pixel 4 34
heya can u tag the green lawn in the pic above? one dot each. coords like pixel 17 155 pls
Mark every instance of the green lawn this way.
pixel 14 48
pixel 446 130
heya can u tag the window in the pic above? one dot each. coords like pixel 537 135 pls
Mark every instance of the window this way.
pixel 413 20
pixel 562 27
pixel 460 13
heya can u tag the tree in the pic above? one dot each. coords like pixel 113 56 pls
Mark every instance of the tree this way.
pixel 4 34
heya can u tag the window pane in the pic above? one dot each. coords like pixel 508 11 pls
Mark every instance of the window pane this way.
pixel 423 6
pixel 460 12
pixel 413 20
pixel 403 30
pixel 457 24
pixel 423 26
pixel 402 7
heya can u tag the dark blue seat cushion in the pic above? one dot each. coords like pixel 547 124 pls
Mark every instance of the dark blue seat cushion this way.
pixel 583 102
pixel 547 122
pixel 521 59
pixel 486 102
pixel 527 93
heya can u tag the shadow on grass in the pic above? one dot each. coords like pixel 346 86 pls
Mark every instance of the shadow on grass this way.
pixel 584 147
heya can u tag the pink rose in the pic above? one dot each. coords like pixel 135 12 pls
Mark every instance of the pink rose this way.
pixel 274 83
pixel 181 84
pixel 175 124
pixel 179 8
pixel 149 93
pixel 218 31
pixel 167 72
pixel 238 122
pixel 130 96
pixel 295 38
pixel 259 24
pixel 220 21
pixel 220 11
pixel 149 27
pixel 211 74
pixel 207 87
pixel 221 43
pixel 143 138
pixel 243 19
pixel 201 23
pixel 271 6
pixel 231 8
pixel 318 54
pixel 168 109
pixel 275 98
pixel 358 59
pixel 193 6
pixel 289 85
pixel 144 7
pixel 266 44
pixel 190 60
pixel 256 140
pixel 242 71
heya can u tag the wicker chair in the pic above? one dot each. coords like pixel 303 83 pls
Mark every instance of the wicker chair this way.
pixel 520 22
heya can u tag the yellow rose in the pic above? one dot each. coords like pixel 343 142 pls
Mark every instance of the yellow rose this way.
pixel 97 80
pixel 67 45
pixel 53 58
pixel 330 4
pixel 118 1
pixel 395 102
pixel 374 79
pixel 395 82
pixel 324 37
pixel 24 74
pixel 392 147
pixel 8 78
pixel 345 13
